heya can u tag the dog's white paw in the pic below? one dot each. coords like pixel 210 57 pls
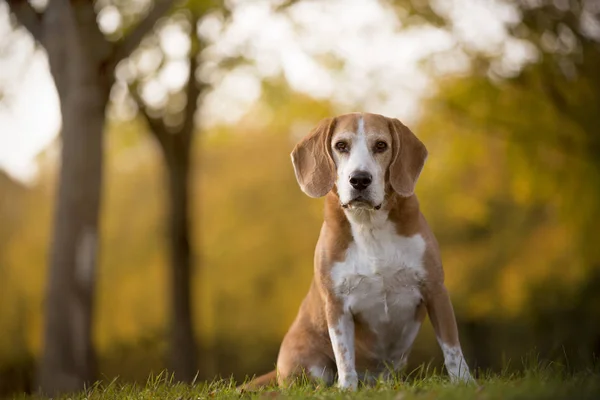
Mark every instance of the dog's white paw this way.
pixel 462 377
pixel 348 382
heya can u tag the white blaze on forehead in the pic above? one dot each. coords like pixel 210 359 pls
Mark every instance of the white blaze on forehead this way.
pixel 361 125
pixel 360 158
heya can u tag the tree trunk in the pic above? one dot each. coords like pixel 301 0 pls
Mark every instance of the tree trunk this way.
pixel 81 62
pixel 68 361
pixel 72 37
pixel 176 149
pixel 183 352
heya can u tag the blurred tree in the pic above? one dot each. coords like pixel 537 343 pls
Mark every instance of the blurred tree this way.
pixel 82 61
pixel 560 84
pixel 564 39
pixel 175 142
pixel 540 121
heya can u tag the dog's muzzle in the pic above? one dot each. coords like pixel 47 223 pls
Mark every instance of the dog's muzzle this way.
pixel 361 202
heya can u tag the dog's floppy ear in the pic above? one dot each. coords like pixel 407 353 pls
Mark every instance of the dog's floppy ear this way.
pixel 408 159
pixel 313 163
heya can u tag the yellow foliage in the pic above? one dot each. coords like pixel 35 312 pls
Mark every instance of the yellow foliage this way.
pixel 504 226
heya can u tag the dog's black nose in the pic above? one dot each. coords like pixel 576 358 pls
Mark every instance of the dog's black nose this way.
pixel 360 180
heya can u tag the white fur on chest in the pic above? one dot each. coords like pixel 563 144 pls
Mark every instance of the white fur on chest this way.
pixel 381 275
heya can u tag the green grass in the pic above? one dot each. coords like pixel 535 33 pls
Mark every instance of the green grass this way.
pixel 549 381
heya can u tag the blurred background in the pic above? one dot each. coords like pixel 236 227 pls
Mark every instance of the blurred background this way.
pixel 149 214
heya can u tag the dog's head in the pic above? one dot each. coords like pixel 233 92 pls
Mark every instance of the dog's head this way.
pixel 363 155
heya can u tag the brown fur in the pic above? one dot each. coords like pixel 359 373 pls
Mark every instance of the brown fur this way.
pixel 307 342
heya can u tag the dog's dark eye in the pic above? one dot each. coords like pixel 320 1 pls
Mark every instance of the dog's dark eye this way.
pixel 380 146
pixel 342 147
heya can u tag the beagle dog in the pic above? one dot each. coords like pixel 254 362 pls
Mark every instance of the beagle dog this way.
pixel 377 266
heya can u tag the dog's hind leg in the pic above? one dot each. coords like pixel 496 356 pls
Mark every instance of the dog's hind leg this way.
pixel 301 357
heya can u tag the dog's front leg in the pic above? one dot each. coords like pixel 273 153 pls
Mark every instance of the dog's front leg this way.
pixel 443 320
pixel 341 331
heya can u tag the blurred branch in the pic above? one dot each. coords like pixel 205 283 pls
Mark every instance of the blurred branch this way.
pixel 28 17
pixel 556 98
pixel 285 4
pixel 156 125
pixel 133 40
pixel 175 142
pixel 192 92
pixel 193 87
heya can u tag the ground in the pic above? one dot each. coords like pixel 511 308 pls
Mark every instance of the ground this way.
pixel 541 382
